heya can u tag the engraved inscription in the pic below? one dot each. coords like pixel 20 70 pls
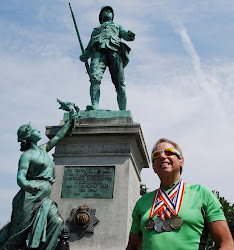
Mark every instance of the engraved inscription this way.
pixel 88 182
pixel 92 148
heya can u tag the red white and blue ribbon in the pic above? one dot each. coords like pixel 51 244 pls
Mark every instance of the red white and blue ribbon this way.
pixel 166 205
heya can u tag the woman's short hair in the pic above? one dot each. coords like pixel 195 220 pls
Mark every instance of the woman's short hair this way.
pixel 161 140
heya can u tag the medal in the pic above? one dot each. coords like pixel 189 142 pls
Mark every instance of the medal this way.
pixel 149 225
pixel 158 226
pixel 167 207
pixel 176 222
pixel 167 225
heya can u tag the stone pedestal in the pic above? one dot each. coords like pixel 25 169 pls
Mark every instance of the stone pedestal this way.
pixel 115 144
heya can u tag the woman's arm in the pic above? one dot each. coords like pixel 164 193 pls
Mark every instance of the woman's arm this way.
pixel 59 136
pixel 134 242
pixel 221 234
pixel 21 175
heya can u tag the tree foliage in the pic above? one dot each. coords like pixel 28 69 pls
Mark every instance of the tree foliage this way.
pixel 228 210
pixel 143 189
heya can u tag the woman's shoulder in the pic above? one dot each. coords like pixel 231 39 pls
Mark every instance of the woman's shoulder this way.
pixel 30 153
pixel 198 188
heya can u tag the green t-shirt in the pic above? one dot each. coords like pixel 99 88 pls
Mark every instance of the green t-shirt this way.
pixel 193 234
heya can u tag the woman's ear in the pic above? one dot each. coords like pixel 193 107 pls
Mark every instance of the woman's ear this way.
pixel 181 161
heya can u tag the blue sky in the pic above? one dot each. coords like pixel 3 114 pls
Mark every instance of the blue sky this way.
pixel 180 79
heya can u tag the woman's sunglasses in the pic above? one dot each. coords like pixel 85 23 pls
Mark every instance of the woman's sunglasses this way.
pixel 167 152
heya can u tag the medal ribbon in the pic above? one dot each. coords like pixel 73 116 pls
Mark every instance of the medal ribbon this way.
pixel 167 204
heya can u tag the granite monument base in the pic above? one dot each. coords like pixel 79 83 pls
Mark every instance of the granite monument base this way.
pixel 99 167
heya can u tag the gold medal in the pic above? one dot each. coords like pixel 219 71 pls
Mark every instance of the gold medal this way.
pixel 167 225
pixel 176 222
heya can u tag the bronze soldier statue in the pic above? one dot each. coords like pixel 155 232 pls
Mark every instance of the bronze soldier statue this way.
pixel 106 49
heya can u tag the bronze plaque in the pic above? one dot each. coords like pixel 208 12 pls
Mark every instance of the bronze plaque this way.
pixel 88 182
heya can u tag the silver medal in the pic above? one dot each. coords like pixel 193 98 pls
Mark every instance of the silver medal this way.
pixel 158 225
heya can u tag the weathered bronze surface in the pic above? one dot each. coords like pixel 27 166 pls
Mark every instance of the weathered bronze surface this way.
pixel 82 220
pixel 88 182
pixel 35 221
pixel 106 50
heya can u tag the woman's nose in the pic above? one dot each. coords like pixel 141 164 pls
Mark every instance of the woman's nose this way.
pixel 163 155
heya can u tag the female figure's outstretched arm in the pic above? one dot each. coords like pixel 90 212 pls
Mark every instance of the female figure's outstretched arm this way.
pixel 61 133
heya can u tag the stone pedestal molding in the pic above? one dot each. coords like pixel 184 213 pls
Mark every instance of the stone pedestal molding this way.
pixel 99 142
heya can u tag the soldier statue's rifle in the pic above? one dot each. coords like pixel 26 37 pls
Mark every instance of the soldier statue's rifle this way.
pixel 78 35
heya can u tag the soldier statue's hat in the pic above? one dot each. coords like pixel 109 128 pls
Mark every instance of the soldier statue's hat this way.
pixel 104 8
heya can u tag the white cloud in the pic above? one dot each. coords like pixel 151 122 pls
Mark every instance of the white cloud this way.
pixel 6 195
pixel 175 88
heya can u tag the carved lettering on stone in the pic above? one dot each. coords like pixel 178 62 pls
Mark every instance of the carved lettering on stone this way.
pixel 92 148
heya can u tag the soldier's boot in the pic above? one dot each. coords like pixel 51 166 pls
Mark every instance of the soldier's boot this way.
pixel 94 95
pixel 122 100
